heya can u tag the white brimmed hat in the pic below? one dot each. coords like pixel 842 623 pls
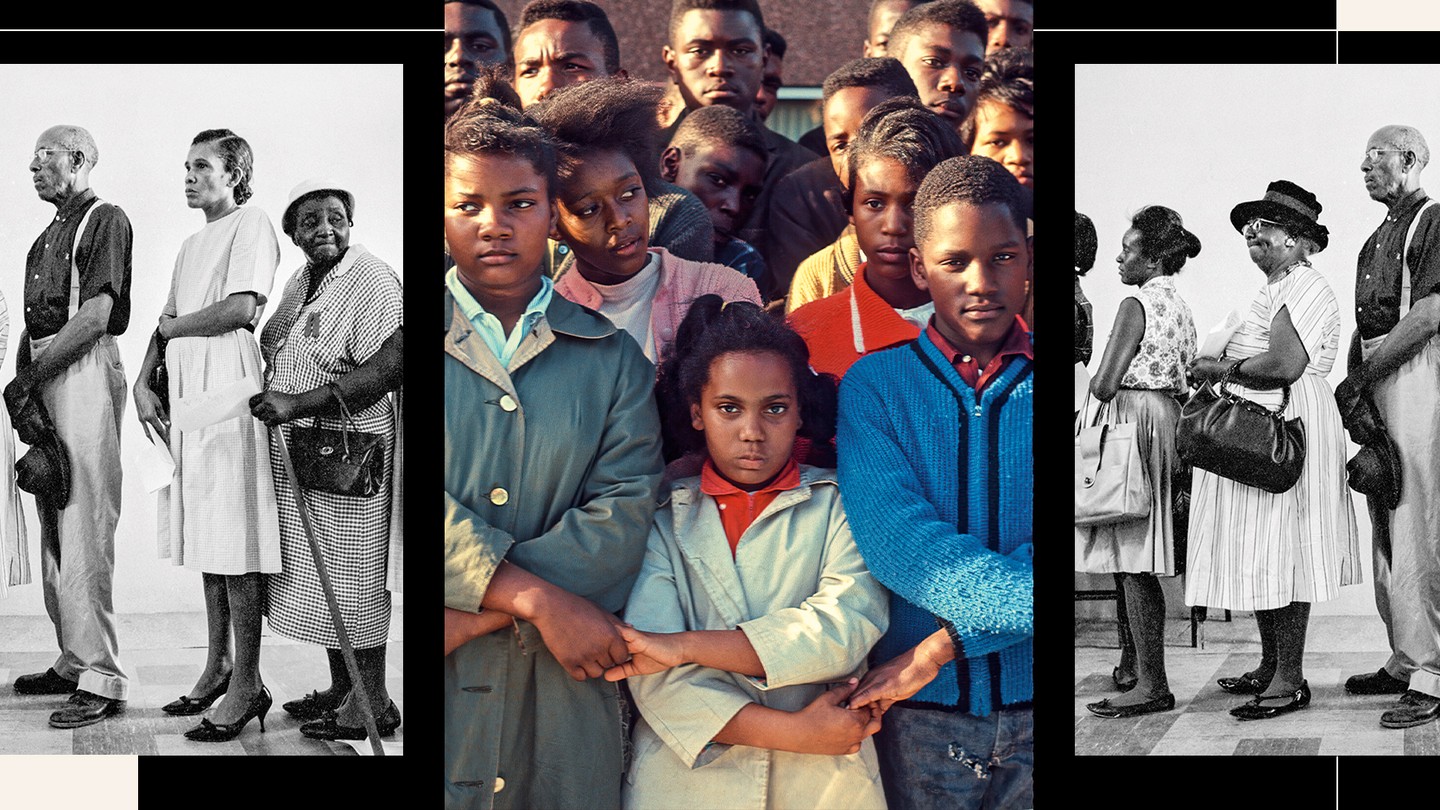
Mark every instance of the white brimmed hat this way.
pixel 287 221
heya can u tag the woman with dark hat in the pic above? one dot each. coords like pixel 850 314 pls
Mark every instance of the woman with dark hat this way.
pixel 1275 553
pixel 1139 379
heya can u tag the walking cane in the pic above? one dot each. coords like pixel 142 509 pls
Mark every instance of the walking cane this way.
pixel 345 649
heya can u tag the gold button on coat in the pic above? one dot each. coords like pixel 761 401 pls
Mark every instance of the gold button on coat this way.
pixel 507 404
pixel 499 784
pixel 499 496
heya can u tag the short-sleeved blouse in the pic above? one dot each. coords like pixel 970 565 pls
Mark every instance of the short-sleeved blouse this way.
pixel 1169 341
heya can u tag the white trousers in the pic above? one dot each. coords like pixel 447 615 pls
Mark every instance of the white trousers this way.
pixel 1407 585
pixel 86 402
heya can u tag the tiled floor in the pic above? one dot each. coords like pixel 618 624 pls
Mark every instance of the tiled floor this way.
pixel 163 654
pixel 1335 723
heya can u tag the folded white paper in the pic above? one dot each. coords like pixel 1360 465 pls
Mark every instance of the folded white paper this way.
pixel 216 405
pixel 156 466
pixel 1219 336
pixel 364 749
pixel 1082 385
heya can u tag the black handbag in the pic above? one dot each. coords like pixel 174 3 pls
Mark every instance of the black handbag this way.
pixel 343 462
pixel 1242 440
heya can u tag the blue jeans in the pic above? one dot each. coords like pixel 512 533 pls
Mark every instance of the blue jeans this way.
pixel 949 760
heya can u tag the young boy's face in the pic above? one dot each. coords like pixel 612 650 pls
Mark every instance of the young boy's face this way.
pixel 716 58
pixel 975 264
pixel 881 21
pixel 841 119
pixel 550 54
pixel 1007 136
pixel 770 83
pixel 726 178
pixel 498 215
pixel 1011 22
pixel 884 194
pixel 945 64
pixel 605 217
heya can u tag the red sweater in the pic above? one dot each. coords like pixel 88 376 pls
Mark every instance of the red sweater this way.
pixel 844 327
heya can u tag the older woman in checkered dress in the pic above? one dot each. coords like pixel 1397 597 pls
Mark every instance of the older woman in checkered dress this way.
pixel 335 334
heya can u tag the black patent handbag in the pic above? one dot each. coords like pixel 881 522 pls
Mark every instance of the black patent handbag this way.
pixel 342 462
pixel 1242 440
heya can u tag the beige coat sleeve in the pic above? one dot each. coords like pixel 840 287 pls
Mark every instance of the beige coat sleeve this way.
pixel 828 635
pixel 688 705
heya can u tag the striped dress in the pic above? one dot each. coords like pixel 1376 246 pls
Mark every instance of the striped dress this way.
pixel 1254 550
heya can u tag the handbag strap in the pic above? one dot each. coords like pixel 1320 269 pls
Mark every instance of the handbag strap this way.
pixel 1225 380
pixel 348 423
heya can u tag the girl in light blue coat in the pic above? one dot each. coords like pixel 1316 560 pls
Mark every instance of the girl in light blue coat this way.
pixel 753 612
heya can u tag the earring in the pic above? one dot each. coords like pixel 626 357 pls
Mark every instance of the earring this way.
pixel 1289 243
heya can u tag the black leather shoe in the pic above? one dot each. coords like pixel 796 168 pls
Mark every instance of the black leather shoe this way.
pixel 187 705
pixel 327 727
pixel 48 682
pixel 1254 710
pixel 1377 683
pixel 313 706
pixel 1414 709
pixel 1164 703
pixel 1244 685
pixel 1123 686
pixel 85 708
pixel 210 732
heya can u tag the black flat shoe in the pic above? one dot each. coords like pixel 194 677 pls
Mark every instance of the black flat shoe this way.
pixel 313 706
pixel 1164 703
pixel 1253 710
pixel 1244 685
pixel 187 705
pixel 48 682
pixel 1375 683
pixel 211 732
pixel 327 727
pixel 1123 686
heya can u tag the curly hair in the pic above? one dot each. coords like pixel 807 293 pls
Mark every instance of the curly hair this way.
pixel 970 179
pixel 485 126
pixel 881 72
pixel 235 154
pixel 1009 79
pixel 958 14
pixel 1163 237
pixel 718 124
pixel 1085 244
pixel 679 8
pixel 574 11
pixel 604 114
pixel 713 328
pixel 903 130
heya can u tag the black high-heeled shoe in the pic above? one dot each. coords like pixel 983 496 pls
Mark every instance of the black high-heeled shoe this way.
pixel 313 706
pixel 187 705
pixel 212 732
pixel 1299 699
pixel 328 727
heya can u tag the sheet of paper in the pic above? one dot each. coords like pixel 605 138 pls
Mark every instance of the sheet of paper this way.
pixel 216 405
pixel 362 747
pixel 1219 336
pixel 1082 385
pixel 156 466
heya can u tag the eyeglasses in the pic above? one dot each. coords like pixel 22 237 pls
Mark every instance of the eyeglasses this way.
pixel 1373 153
pixel 43 155
pixel 1254 225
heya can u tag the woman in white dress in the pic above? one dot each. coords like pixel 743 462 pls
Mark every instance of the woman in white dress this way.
pixel 14 551
pixel 218 516
pixel 1139 379
pixel 1250 549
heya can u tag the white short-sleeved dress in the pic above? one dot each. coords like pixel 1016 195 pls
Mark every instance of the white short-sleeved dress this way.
pixel 219 514
pixel 307 344
pixel 1254 550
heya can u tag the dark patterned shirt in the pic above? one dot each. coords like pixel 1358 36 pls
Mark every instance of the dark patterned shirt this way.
pixel 1084 327
pixel 103 259
pixel 1377 277
pixel 738 254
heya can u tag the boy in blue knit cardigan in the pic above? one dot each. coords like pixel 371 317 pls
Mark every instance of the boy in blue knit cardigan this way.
pixel 937 472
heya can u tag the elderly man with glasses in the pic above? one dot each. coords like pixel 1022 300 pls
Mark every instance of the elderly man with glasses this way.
pixel 1395 360
pixel 77 298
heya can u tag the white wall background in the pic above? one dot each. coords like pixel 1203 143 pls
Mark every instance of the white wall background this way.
pixel 340 121
pixel 1202 138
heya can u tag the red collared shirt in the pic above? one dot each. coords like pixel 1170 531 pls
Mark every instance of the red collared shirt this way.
pixel 1017 344
pixel 738 508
